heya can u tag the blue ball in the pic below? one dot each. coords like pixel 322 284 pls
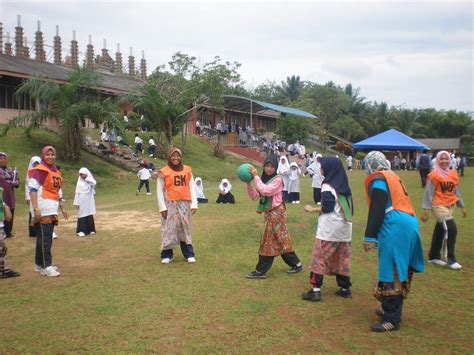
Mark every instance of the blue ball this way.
pixel 243 173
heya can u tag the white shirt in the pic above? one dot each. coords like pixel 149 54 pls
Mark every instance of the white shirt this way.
pixel 160 194
pixel 47 207
pixel 138 140
pixel 151 142
pixel 144 174
pixel 332 226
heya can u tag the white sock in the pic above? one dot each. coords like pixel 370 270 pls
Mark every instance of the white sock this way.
pixel 316 289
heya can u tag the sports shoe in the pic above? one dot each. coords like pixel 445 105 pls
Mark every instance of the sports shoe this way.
pixel 38 268
pixel 50 272
pixel 8 274
pixel 311 295
pixel 384 327
pixel 148 193
pixel 165 260
pixel 55 236
pixel 319 203
pixel 92 233
pixel 191 260
pixel 137 192
pixel 295 268
pixel 297 202
pixel 256 275
pixel 437 262
pixel 344 293
pixel 81 234
pixel 455 266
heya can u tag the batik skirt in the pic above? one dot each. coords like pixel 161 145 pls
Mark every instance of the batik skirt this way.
pixel 176 227
pixel 276 239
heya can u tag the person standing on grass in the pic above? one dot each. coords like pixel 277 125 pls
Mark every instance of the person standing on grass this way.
pixel 276 239
pixel 294 183
pixel 34 161
pixel 284 170
pixel 332 247
pixel 85 203
pixel 45 182
pixel 392 228
pixel 316 178
pixel 144 176
pixel 177 201
pixel 10 181
pixel 138 144
pixel 5 215
pixel 441 194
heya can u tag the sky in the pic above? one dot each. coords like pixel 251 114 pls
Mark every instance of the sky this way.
pixel 406 53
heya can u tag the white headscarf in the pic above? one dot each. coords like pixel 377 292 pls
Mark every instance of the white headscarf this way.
pixel 33 160
pixel 283 167
pixel 84 186
pixel 295 174
pixel 225 189
pixel 375 161
pixel 199 188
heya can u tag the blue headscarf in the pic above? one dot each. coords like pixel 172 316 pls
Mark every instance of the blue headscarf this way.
pixel 335 175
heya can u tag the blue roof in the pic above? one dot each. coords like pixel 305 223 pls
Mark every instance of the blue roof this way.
pixel 390 140
pixel 245 104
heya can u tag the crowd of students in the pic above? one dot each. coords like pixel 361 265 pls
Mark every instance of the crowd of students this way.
pixel 392 227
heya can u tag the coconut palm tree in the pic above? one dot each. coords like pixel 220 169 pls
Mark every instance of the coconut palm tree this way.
pixel 69 103
pixel 292 87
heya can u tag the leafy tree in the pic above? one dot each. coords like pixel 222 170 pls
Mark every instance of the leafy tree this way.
pixel 347 127
pixel 269 91
pixel 170 93
pixel 70 103
pixel 293 128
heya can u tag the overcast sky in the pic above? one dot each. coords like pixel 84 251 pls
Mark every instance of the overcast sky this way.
pixel 413 54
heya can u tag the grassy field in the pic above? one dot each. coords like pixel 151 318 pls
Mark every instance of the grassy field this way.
pixel 113 294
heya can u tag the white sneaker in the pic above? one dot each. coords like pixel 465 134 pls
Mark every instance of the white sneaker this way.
pixel 437 262
pixel 81 234
pixel 165 261
pixel 38 268
pixel 297 202
pixel 92 233
pixel 455 266
pixel 148 193
pixel 50 271
pixel 191 260
pixel 319 203
pixel 55 236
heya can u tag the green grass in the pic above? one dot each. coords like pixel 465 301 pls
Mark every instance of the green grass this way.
pixel 113 294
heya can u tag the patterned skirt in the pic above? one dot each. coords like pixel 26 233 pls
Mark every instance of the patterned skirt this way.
pixel 176 227
pixel 276 239
pixel 331 258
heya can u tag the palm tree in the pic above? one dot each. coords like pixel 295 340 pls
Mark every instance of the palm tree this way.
pixel 292 87
pixel 69 103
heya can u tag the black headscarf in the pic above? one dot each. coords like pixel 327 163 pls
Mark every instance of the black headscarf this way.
pixel 335 175
pixel 274 161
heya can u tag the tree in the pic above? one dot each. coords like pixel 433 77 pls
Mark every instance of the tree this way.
pixel 269 91
pixel 292 87
pixel 170 93
pixel 292 128
pixel 69 103
pixel 347 127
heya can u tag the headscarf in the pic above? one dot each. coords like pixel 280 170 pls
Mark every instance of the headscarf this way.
pixel 375 161
pixel 3 155
pixel 437 167
pixel 294 174
pixel 271 159
pixel 84 186
pixel 225 189
pixel 43 154
pixel 199 188
pixel 33 160
pixel 335 175
pixel 170 153
pixel 283 167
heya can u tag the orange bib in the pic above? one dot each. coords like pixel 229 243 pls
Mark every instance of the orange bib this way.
pixel 398 193
pixel 177 183
pixel 52 184
pixel 445 188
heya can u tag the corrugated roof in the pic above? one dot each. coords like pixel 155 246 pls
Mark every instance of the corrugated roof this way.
pixel 25 68
pixel 441 143
pixel 245 104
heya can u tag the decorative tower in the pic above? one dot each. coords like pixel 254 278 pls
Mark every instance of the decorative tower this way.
pixel 74 51
pixel 143 67
pixel 40 54
pixel 118 60
pixel 26 49
pixel 90 54
pixel 19 49
pixel 131 63
pixel 105 59
pixel 1 38
pixel 57 47
pixel 8 45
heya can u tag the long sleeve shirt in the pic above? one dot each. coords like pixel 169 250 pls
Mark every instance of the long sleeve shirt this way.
pixel 160 194
pixel 274 189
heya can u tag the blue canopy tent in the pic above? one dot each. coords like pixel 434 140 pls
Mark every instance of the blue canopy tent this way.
pixel 390 140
